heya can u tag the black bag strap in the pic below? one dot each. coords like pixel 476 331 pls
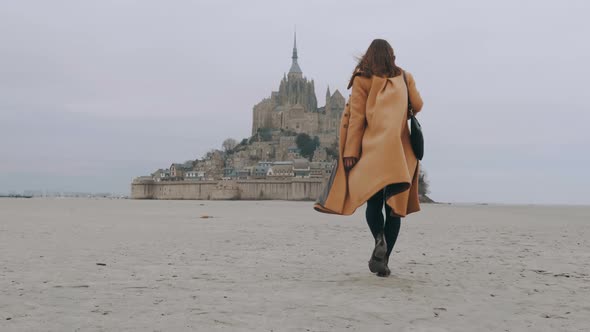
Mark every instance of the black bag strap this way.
pixel 410 108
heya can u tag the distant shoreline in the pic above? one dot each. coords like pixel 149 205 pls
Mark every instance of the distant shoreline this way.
pixel 456 204
pixel 16 196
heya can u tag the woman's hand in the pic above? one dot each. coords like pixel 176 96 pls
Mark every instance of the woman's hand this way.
pixel 349 162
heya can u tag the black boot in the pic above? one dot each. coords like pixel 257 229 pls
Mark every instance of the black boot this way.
pixel 386 271
pixel 378 261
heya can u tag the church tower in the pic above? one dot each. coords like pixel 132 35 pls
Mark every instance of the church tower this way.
pixel 295 71
pixel 328 96
pixel 294 88
pixel 293 107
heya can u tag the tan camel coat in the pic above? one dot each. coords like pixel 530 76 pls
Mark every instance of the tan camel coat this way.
pixel 374 128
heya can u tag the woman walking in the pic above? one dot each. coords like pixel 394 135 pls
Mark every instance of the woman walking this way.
pixel 376 163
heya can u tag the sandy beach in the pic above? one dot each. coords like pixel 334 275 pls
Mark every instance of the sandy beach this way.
pixel 125 265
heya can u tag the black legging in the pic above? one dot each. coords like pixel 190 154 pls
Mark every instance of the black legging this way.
pixel 374 217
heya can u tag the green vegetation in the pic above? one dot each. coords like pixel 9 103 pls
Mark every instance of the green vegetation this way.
pixel 265 134
pixel 229 145
pixel 423 185
pixel 332 150
pixel 307 145
pixel 240 146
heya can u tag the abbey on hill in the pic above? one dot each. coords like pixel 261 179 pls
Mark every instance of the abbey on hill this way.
pixel 289 155
pixel 291 138
pixel 294 107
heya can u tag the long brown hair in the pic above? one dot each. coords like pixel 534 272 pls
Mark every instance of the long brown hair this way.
pixel 379 60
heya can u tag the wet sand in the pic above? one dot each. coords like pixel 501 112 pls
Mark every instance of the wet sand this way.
pixel 124 265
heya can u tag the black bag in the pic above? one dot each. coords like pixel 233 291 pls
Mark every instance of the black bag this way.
pixel 416 136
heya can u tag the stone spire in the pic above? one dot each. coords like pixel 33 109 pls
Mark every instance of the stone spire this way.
pixel 327 107
pixel 295 71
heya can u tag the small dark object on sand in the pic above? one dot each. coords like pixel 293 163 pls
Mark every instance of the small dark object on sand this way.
pixel 101 264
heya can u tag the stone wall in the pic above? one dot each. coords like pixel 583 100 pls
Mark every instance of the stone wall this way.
pixel 287 189
pixel 142 189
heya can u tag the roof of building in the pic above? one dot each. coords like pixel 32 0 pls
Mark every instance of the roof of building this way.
pixel 281 168
pixel 320 164
pixel 294 65
pixel 301 164
pixel 315 164
pixel 283 162
pixel 337 94
pixel 181 167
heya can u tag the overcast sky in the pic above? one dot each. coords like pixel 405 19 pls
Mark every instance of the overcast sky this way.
pixel 93 93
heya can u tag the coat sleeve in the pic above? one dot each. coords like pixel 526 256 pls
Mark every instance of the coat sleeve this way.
pixel 415 97
pixel 357 121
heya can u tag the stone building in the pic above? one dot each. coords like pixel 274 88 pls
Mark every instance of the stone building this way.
pixel 277 120
pixel 212 165
pixel 301 168
pixel 320 154
pixel 294 107
pixel 320 169
pixel 177 171
pixel 280 171
pixel 161 175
